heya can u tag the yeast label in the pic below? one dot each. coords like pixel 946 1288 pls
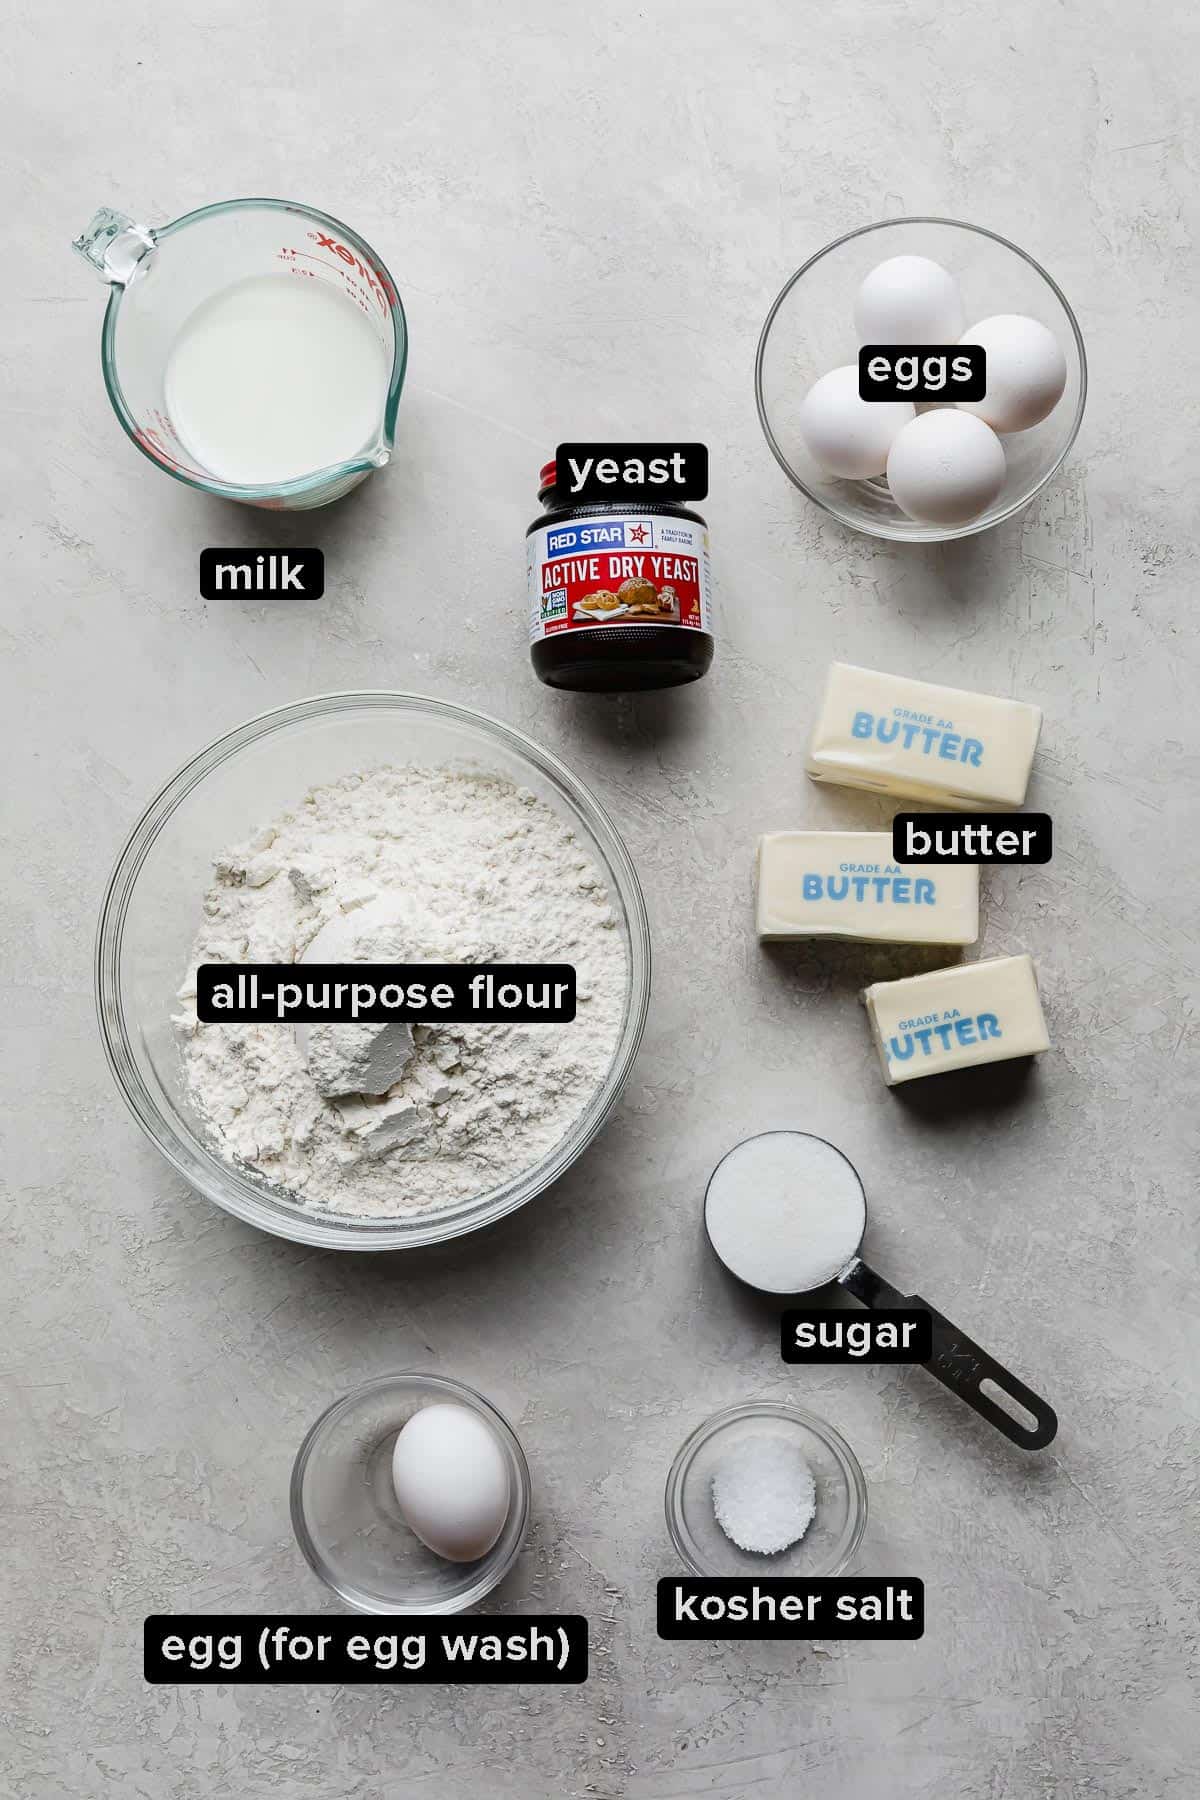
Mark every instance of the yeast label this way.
pixel 972 837
pixel 922 372
pixel 262 574
pixel 776 1606
pixel 814 1334
pixel 589 472
pixel 207 1649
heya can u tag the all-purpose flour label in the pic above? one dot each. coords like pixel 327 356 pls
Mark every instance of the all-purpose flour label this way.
pixel 640 569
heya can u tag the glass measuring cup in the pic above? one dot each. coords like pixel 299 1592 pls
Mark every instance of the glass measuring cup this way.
pixel 759 1225
pixel 159 275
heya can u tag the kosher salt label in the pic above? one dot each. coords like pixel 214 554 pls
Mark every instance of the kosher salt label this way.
pixel 780 1606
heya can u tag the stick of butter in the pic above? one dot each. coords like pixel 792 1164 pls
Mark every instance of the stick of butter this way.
pixel 897 736
pixel 953 1018
pixel 847 884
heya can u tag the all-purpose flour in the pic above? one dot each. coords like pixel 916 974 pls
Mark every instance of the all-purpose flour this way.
pixel 442 865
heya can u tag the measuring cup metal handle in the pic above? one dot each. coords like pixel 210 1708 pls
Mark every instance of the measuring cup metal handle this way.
pixel 961 1364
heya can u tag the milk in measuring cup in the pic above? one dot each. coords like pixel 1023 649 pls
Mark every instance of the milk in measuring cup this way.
pixel 273 378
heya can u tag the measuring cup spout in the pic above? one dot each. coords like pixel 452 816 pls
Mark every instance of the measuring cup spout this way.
pixel 115 245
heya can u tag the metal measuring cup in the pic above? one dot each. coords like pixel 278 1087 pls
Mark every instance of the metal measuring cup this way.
pixel 957 1361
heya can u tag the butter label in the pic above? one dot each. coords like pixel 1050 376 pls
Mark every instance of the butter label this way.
pixel 920 734
pixel 898 736
pixel 847 884
pixel 923 1037
pixel 953 1018
pixel 884 886
pixel 939 838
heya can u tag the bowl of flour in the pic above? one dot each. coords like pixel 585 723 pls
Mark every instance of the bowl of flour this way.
pixel 371 827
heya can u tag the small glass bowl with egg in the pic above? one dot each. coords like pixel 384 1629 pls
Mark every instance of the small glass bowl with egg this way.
pixel 411 1495
pixel 920 281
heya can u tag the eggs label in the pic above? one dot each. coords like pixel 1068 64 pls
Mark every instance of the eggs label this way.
pixel 922 372
pixel 965 837
pixel 588 472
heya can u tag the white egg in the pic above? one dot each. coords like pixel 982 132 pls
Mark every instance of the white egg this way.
pixel 451 1481
pixel 1026 371
pixel 946 467
pixel 909 300
pixel 846 435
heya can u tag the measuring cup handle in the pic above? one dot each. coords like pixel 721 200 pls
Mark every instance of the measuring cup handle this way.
pixel 961 1364
pixel 114 244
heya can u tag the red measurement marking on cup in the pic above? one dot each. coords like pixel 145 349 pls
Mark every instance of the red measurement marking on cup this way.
pixel 381 288
pixel 153 439
pixel 353 290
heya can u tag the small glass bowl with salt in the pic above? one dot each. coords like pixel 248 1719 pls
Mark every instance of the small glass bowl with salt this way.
pixel 772 1476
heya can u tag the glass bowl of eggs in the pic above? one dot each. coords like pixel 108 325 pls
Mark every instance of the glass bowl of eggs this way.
pixel 916 290
pixel 411 1495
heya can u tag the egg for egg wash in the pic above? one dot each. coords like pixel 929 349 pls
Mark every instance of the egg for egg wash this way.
pixel 1026 371
pixel 451 1481
pixel 848 436
pixel 909 300
pixel 946 467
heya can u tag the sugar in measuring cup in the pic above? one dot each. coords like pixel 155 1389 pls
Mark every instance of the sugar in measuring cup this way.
pixel 253 349
pixel 786 1213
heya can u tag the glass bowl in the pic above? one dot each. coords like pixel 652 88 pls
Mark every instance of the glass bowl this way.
pixel 810 330
pixel 348 1521
pixel 829 1544
pixel 152 908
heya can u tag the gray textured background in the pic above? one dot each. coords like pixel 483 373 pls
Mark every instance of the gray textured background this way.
pixel 588 213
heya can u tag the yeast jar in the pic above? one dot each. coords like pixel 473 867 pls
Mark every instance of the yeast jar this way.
pixel 620 595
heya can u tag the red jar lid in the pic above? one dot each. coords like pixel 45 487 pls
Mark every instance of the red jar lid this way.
pixel 547 477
